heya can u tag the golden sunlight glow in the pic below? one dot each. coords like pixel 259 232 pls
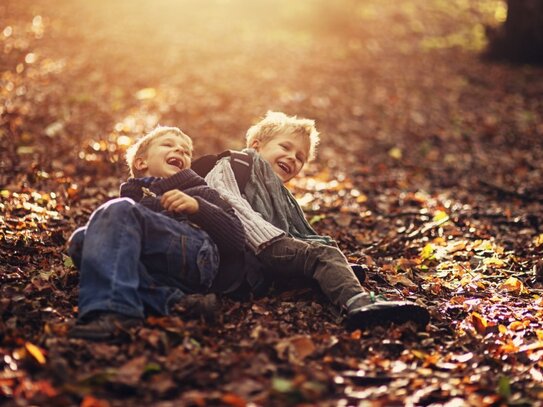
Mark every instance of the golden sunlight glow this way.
pixel 501 11
pixel 124 141
pixel 30 58
pixel 8 31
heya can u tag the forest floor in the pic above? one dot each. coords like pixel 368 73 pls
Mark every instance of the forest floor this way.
pixel 429 172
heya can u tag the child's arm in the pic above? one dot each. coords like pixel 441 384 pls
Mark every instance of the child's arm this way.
pixel 219 220
pixel 258 231
pixel 179 202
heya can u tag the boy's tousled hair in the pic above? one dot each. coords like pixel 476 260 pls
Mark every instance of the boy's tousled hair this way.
pixel 140 147
pixel 275 123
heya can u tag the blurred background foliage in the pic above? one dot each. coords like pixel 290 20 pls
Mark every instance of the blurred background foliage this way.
pixel 104 72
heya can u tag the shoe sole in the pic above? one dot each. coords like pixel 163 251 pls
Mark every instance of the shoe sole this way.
pixel 119 335
pixel 396 315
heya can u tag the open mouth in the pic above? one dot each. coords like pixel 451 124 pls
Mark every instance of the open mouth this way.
pixel 176 162
pixel 284 167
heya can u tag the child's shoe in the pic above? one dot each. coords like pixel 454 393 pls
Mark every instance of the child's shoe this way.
pixel 206 306
pixel 365 309
pixel 103 326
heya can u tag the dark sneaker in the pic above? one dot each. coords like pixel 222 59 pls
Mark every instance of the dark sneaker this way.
pixel 103 326
pixel 206 306
pixel 365 310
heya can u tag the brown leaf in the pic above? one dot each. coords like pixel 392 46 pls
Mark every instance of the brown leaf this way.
pixel 401 279
pixel 130 373
pixel 479 323
pixel 513 285
pixel 295 349
pixel 231 399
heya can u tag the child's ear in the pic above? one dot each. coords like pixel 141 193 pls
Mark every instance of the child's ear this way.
pixel 140 164
pixel 255 144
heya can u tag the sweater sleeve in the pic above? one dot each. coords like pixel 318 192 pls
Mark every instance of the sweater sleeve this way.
pixel 219 220
pixel 259 233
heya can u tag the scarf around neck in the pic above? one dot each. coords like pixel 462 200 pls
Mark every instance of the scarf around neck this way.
pixel 267 195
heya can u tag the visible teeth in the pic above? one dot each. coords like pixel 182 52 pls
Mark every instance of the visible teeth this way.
pixel 284 167
pixel 175 162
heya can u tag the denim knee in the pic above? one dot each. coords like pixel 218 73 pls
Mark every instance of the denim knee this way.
pixel 75 245
pixel 114 208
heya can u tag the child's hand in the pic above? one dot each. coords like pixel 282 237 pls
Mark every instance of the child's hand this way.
pixel 179 202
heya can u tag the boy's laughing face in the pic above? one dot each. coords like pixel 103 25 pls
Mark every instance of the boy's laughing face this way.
pixel 166 155
pixel 287 154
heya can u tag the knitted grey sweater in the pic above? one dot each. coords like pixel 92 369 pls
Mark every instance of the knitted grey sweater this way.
pixel 258 231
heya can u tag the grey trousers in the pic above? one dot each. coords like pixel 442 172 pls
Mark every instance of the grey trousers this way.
pixel 325 264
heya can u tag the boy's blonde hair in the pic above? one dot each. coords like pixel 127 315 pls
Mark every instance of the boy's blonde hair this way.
pixel 140 147
pixel 275 123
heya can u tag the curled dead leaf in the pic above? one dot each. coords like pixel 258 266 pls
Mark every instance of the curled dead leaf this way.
pixel 513 285
pixel 479 323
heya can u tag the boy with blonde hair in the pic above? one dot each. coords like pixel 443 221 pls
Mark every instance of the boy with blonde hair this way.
pixel 161 239
pixel 277 231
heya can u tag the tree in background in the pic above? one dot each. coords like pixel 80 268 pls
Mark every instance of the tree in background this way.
pixel 520 38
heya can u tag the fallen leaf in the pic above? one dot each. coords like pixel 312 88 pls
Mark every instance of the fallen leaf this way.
pixel 295 349
pixel 130 373
pixel 396 153
pixel 401 279
pixel 36 352
pixel 479 323
pixel 90 401
pixel 513 285
pixel 231 399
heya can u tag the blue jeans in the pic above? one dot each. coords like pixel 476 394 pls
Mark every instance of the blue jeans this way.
pixel 133 259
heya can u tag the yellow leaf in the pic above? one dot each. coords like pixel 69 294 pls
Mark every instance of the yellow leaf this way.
pixel 494 262
pixel 361 198
pixel 513 285
pixel 516 326
pixel 35 352
pixel 419 354
pixel 440 215
pixel 538 241
pixel 427 252
pixel 482 245
pixel 395 153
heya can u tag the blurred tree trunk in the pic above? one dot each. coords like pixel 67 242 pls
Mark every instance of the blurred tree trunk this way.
pixel 520 39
